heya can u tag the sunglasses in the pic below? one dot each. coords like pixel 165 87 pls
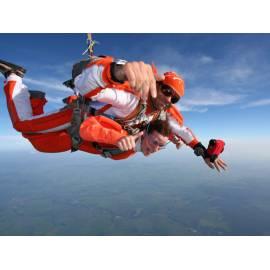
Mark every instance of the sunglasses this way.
pixel 168 92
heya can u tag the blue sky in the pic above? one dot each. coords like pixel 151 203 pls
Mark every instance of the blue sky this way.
pixel 227 75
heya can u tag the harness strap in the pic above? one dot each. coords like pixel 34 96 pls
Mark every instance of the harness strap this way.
pixel 95 112
pixel 81 110
pixel 107 152
pixel 137 124
pixel 103 109
pixel 78 116
pixel 73 130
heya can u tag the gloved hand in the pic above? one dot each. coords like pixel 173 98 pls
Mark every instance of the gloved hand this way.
pixel 211 154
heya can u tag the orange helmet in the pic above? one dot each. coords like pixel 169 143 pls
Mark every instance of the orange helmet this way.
pixel 175 82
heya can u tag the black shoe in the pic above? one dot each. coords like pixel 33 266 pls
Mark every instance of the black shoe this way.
pixel 69 84
pixel 7 68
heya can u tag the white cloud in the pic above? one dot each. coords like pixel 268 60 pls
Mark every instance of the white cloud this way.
pixel 185 74
pixel 235 66
pixel 235 73
pixel 206 59
pixel 210 97
pixel 57 100
pixel 258 103
pixel 62 69
pixel 165 68
pixel 199 99
pixel 187 108
pixel 47 84
pixel 167 55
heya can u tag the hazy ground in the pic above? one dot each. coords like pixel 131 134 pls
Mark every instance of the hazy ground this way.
pixel 79 194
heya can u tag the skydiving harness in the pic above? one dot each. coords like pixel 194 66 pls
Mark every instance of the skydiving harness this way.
pixel 128 126
pixel 79 114
pixel 106 152
pixel 82 109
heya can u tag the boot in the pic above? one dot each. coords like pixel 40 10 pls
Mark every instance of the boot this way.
pixel 7 68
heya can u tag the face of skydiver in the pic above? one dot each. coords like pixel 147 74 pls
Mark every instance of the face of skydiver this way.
pixel 152 142
pixel 165 97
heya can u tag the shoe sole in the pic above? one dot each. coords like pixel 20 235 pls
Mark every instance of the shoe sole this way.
pixel 6 67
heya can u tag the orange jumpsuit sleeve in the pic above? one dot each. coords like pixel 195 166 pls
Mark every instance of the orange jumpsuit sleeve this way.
pixel 184 133
pixel 176 114
pixel 102 130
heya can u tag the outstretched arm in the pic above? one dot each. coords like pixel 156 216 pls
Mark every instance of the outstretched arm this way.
pixel 185 135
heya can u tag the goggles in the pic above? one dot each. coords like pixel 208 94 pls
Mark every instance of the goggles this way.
pixel 169 92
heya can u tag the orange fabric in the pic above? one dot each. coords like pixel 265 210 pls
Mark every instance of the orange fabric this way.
pixel 193 143
pixel 37 105
pixel 102 130
pixel 175 82
pixel 70 99
pixel 38 124
pixel 44 123
pixel 60 141
pixel 53 142
pixel 125 87
pixel 104 109
pixel 176 114
pixel 101 61
pixel 93 92
pixel 106 75
pixel 94 129
pixel 106 62
pixel 107 78
pixel 56 142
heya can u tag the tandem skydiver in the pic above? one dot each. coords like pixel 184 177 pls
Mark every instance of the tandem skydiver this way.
pixel 114 108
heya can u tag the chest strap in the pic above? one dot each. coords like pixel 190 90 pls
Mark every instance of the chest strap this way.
pixel 107 152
